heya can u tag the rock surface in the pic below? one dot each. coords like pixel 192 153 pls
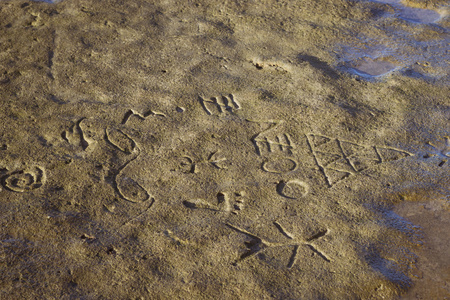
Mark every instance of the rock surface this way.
pixel 223 150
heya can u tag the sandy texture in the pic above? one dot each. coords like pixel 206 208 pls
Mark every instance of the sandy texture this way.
pixel 221 150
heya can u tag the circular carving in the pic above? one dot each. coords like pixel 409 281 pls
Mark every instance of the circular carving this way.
pixel 131 190
pixel 293 189
pixel 25 180
pixel 280 165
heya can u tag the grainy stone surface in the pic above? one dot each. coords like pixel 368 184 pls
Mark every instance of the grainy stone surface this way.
pixel 222 150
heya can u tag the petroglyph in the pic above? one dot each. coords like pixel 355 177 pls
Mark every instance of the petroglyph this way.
pixel 120 140
pixel 219 105
pixel 215 159
pixel 188 165
pixel 129 130
pixel 293 189
pixel 139 115
pixel 258 245
pixel 127 187
pixel 76 136
pixel 24 180
pixel 223 204
pixel 339 159
pixel 86 132
pixel 169 233
pixel 130 190
pixel 280 165
pixel 267 141
pixel 440 150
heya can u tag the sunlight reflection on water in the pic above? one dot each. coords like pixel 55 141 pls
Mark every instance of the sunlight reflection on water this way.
pixel 416 15
pixel 400 48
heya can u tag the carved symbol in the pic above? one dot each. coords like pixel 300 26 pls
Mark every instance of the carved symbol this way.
pixel 224 204
pixel 25 180
pixel 217 161
pixel 120 140
pixel 188 165
pixel 292 189
pixel 126 187
pixel 258 245
pixel 339 159
pixel 280 142
pixel 441 149
pixel 221 104
pixel 141 116
pixel 280 165
pixel 176 239
pixel 75 135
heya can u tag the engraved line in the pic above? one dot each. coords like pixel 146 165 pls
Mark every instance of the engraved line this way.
pixel 140 214
pixel 235 103
pixel 202 102
pixel 133 143
pixel 84 143
pixel 283 231
pixel 378 154
pixel 318 253
pixel 249 254
pixel 321 168
pixel 141 116
pixel 293 258
pixel 345 156
pixel 245 232
pixel 318 235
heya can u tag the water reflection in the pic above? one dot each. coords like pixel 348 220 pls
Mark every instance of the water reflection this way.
pixel 411 42
pixel 416 15
pixel 419 15
pixel 367 66
pixel 48 1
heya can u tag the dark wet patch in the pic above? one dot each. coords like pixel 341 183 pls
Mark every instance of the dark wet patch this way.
pixel 418 15
pixel 368 67
pixel 423 55
pixel 48 1
pixel 389 268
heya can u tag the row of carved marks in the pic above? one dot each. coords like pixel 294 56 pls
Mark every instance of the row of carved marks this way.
pixel 270 140
pixel 440 150
pixel 257 245
pixel 141 116
pixel 235 202
pixel 215 159
pixel 219 105
pixel 23 180
pixel 226 202
pixel 338 159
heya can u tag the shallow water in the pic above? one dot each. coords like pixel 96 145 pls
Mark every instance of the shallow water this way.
pixel 433 264
pixel 417 48
pixel 48 1
pixel 373 67
pixel 416 15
